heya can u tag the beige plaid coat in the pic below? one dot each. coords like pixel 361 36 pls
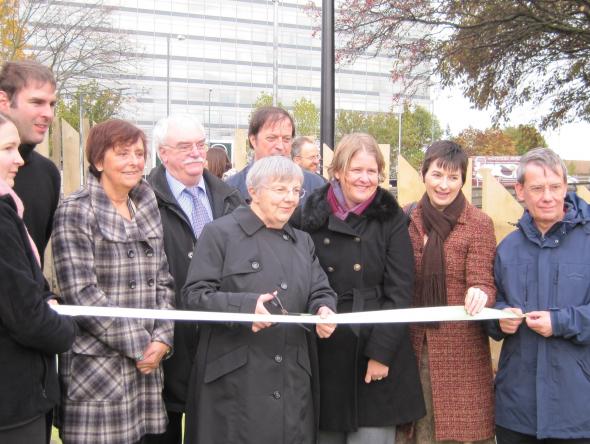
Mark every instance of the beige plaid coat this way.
pixel 101 259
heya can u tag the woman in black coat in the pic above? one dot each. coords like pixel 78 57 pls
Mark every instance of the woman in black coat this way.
pixel 251 383
pixel 31 333
pixel 369 381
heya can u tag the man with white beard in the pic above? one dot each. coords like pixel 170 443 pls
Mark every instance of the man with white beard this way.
pixel 188 197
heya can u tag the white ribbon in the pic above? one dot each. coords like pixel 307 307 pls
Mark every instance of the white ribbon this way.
pixel 404 315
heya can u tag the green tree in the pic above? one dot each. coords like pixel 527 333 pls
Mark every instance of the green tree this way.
pixel 501 53
pixel 12 42
pixel 349 122
pixel 307 117
pixel 489 142
pixel 525 137
pixel 99 104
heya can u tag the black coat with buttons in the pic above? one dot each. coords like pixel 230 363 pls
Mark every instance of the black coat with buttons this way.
pixel 254 387
pixel 179 242
pixel 370 265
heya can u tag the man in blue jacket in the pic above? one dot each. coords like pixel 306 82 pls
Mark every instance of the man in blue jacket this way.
pixel 543 270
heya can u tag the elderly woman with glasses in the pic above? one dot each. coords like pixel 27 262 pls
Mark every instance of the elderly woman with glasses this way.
pixel 251 383
pixel 368 374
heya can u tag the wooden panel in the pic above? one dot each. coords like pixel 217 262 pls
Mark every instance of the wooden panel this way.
pixel 583 192
pixel 70 140
pixel 240 149
pixel 499 204
pixel 410 187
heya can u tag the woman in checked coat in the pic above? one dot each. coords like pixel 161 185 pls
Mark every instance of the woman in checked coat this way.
pixel 108 251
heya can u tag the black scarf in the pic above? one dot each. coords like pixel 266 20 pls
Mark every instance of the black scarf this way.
pixel 437 225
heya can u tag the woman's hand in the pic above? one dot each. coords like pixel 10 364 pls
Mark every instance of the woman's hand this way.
pixel 261 309
pixel 325 330
pixel 376 371
pixel 152 356
pixel 475 300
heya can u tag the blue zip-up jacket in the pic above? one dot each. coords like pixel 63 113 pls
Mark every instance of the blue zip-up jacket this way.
pixel 543 384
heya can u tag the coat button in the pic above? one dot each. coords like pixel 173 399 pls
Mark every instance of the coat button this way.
pixel 357 239
pixel 255 265
pixel 190 255
pixel 330 269
pixel 286 236
pixel 276 394
pixel 356 267
pixel 132 284
pixel 326 241
pixel 131 254
pixel 151 282
pixel 149 252
pixel 284 285
pixel 278 359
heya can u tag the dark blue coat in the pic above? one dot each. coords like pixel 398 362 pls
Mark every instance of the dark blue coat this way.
pixel 543 384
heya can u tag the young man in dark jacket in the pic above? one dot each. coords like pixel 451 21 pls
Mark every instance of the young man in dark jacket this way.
pixel 188 196
pixel 543 269
pixel 27 96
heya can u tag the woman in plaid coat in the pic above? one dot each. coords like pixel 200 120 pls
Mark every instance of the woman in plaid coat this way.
pixel 108 251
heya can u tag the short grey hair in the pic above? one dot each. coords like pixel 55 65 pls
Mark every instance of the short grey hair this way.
pixel 273 168
pixel 543 157
pixel 298 144
pixel 160 131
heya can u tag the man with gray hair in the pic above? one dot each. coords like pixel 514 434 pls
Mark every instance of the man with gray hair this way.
pixel 188 197
pixel 306 153
pixel 542 273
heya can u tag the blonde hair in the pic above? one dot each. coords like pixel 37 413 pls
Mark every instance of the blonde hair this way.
pixel 349 146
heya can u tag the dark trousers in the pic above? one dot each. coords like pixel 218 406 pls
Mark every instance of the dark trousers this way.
pixel 506 436
pixel 173 433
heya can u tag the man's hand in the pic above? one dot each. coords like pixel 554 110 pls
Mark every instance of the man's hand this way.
pixel 509 326
pixel 324 330
pixel 540 322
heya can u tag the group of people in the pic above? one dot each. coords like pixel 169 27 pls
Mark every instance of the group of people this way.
pixel 276 238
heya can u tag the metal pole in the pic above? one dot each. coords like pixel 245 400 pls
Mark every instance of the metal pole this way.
pixel 209 124
pixel 327 92
pixel 167 75
pixel 275 57
pixel 81 133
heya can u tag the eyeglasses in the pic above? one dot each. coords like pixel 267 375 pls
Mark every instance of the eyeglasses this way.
pixel 284 191
pixel 276 301
pixel 316 157
pixel 187 147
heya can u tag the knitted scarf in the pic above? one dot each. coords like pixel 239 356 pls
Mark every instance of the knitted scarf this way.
pixel 437 225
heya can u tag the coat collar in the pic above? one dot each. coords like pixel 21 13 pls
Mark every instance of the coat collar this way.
pixel 250 223
pixel 316 211
pixel 112 225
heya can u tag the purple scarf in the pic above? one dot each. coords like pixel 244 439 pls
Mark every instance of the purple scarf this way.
pixel 338 202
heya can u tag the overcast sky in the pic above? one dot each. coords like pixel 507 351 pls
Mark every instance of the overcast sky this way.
pixel 571 141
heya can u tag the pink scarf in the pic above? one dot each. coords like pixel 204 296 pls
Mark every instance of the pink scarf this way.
pixel 20 209
pixel 338 202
